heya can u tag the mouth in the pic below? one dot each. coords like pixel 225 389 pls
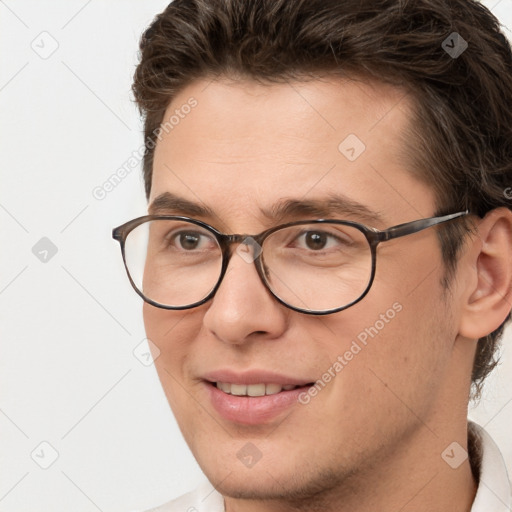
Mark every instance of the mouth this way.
pixel 252 402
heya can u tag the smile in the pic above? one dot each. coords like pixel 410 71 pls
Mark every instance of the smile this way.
pixel 253 389
pixel 253 402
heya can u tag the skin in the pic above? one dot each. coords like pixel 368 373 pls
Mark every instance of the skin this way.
pixel 372 439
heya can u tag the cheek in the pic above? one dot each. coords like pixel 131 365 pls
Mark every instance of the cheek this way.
pixel 393 347
pixel 169 330
pixel 402 367
pixel 172 333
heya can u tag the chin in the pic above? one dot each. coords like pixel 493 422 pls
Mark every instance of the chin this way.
pixel 293 487
pixel 279 479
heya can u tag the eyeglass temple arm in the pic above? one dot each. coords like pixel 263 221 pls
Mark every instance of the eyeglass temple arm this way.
pixel 417 225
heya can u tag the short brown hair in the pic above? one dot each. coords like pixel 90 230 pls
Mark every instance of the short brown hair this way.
pixel 461 140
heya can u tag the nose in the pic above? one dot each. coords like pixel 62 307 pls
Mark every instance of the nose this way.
pixel 243 308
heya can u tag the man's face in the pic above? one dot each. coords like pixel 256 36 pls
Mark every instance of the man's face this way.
pixel 245 148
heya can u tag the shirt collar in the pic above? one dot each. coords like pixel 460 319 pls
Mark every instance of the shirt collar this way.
pixel 494 491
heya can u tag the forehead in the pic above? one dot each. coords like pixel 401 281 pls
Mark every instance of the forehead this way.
pixel 240 146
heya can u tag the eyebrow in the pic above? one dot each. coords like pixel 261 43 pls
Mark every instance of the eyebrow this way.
pixel 173 204
pixel 334 205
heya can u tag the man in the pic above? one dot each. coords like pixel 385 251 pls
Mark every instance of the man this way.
pixel 327 261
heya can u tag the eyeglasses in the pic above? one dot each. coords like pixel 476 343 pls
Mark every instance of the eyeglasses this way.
pixel 316 267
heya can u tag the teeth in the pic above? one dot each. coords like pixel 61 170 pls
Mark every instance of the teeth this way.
pixel 253 389
pixel 272 389
pixel 238 389
pixel 224 386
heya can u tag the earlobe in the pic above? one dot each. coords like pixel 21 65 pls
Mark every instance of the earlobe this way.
pixel 488 300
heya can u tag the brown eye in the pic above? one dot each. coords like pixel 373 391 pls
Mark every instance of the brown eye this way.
pixel 315 240
pixel 189 241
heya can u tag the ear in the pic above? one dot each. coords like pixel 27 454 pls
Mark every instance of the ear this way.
pixel 488 263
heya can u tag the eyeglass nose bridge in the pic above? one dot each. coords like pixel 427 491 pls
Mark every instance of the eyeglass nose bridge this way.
pixel 246 243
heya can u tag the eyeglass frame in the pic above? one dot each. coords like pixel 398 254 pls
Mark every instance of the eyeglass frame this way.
pixel 373 236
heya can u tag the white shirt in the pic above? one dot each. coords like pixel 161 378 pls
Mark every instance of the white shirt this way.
pixel 494 493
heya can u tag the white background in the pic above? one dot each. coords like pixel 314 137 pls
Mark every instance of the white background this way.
pixel 69 326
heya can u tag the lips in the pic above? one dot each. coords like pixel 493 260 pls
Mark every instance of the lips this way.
pixel 253 397
pixel 254 377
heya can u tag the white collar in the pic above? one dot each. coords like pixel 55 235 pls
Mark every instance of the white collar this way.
pixel 494 492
